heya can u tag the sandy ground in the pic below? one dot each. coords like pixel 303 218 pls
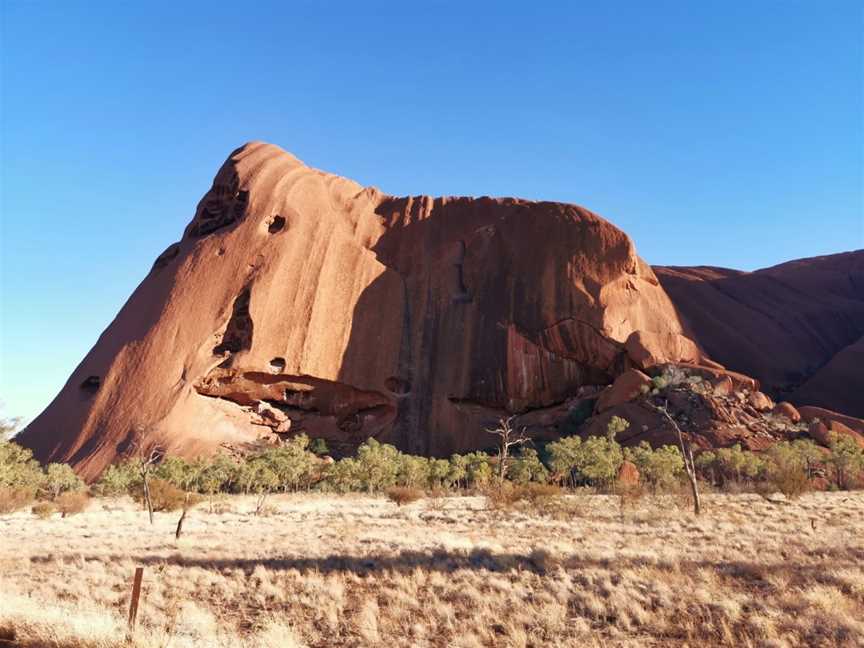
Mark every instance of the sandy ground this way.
pixel 326 570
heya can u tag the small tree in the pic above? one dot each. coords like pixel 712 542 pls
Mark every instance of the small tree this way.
pixel 659 468
pixel 438 470
pixel 118 479
pixel 458 471
pixel 377 465
pixel 413 471
pixel 216 475
pixel 527 467
pixel 258 478
pixel 478 472
pixel 847 459
pixel 598 460
pixel 686 453
pixel 508 438
pixel 60 478
pixel 145 464
pixel 563 457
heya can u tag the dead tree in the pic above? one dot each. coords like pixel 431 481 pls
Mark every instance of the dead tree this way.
pixel 144 463
pixel 182 519
pixel 508 437
pixel 686 452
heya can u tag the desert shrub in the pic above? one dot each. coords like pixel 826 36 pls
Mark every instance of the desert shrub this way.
pixel 342 476
pixel 615 426
pixel 118 479
pixel 787 467
pixel 526 467
pixel 846 460
pixel 319 447
pixel 72 502
pixel 18 469
pixel 438 470
pixel 256 476
pixel 598 460
pixel 402 495
pixel 292 463
pixel 730 468
pixel 59 479
pixel 672 376
pixel 812 456
pixel 164 496
pixel 563 456
pixel 215 475
pixel 377 465
pixel 13 499
pixel 412 471
pixel 478 469
pixel 44 510
pixel 178 471
pixel 658 468
pixel 458 472
pixel 536 497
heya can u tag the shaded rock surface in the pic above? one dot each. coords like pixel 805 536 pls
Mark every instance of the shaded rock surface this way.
pixel 348 313
pixel 797 327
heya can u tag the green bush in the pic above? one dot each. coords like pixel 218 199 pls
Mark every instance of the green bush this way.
pixel 731 467
pixel 18 469
pixel 659 468
pixel 846 460
pixel 598 460
pixel 118 479
pixel 59 479
pixel 526 467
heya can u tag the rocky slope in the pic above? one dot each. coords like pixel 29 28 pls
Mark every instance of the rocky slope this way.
pixel 797 327
pixel 301 301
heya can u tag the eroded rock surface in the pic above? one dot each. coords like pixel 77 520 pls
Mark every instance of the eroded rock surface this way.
pixel 299 301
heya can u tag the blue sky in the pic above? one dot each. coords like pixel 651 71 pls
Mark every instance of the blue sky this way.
pixel 717 133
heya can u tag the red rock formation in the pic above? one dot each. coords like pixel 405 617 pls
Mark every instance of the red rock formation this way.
pixel 796 327
pixel 629 385
pixel 300 301
pixel 788 410
pixel 628 474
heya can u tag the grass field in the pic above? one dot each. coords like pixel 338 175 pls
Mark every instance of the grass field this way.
pixel 321 570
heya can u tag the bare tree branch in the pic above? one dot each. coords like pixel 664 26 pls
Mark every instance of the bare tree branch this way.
pixel 686 452
pixel 508 438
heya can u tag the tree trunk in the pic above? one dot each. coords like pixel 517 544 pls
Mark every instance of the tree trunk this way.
pixel 687 453
pixel 694 486
pixel 147 499
pixel 182 518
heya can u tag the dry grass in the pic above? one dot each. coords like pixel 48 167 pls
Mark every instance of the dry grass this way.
pixel 361 571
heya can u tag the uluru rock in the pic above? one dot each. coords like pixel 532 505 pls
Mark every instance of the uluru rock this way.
pixel 355 314
pixel 797 327
pixel 788 410
pixel 626 387
pixel 647 349
pixel 825 431
pixel 759 401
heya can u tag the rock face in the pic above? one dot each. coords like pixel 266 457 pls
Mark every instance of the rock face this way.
pixel 298 301
pixel 796 327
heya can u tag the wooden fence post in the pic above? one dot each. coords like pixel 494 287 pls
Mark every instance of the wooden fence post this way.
pixel 136 594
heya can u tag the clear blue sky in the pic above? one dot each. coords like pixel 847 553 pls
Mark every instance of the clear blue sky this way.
pixel 721 133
